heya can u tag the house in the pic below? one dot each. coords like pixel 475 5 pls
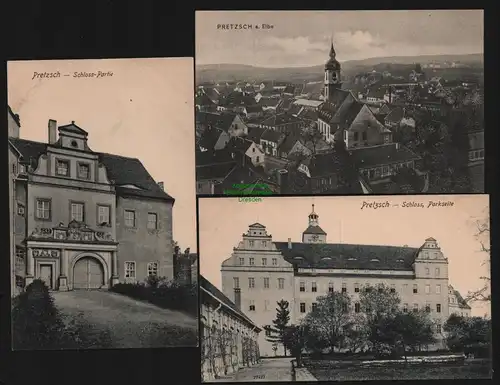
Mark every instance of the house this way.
pixel 394 118
pixel 253 111
pixel 375 95
pixel 246 148
pixel 327 110
pixel 307 103
pixel 221 318
pixel 323 171
pixel 270 140
pixel 213 139
pixel 230 123
pixel 311 90
pixel 204 103
pixel 292 144
pixel 77 210
pixel 269 104
pixel 212 167
pixel 456 303
pixel 284 123
pixel 365 129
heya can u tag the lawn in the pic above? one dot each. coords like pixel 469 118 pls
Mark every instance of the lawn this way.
pixel 325 370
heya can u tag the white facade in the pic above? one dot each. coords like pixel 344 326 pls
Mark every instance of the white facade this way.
pixel 259 269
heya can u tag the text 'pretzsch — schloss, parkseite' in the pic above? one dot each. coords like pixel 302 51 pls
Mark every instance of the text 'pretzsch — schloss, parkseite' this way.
pixel 406 204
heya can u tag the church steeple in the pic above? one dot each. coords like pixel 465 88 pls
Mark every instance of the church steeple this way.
pixel 332 74
pixel 313 233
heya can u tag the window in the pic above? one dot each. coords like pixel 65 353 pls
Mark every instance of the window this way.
pixel 365 136
pixel 264 243
pixel 427 289
pixel 302 307
pixel 415 307
pixel 266 283
pixel 281 283
pixel 264 261
pixel 437 273
pixel 103 215
pixel 415 289
pixel 152 221
pixel 438 289
pixel 83 171
pixel 275 261
pixel 62 167
pixel 314 288
pixel 302 286
pixel 257 159
pixel 357 307
pixel 438 308
pixel 242 261
pixel 405 308
pixel 393 288
pixel 152 268
pixel 426 271
pixel 236 282
pixel 43 209
pixel 77 212
pixel 344 288
pixel 314 306
pixel 356 287
pixel 438 328
pixel 129 218
pixel 250 243
pixel 251 307
pixel 251 283
pixel 129 269
pixel 252 261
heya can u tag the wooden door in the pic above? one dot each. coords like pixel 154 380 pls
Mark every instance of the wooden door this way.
pixel 88 274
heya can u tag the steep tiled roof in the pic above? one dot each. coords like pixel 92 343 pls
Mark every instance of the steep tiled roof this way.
pixel 243 174
pixel 461 301
pixel 72 127
pixel 308 114
pixel 271 136
pixel 205 284
pixel 288 143
pixel 15 117
pixel 209 138
pixel 380 155
pixel 253 108
pixel 314 230
pixel 347 256
pixel 396 115
pixel 215 171
pixel 323 164
pixel 255 133
pixel 121 170
pixel 279 119
pixel 347 113
pixel 238 144
pixel 203 100
pixel 268 102
pixel 222 121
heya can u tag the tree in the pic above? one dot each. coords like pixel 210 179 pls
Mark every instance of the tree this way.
pixel 327 322
pixel 312 136
pixel 377 304
pixel 462 332
pixel 294 338
pixel 355 335
pixel 482 294
pixel 274 334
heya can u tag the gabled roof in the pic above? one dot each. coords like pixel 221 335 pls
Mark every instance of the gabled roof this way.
pixel 72 127
pixel 268 102
pixel 209 158
pixel 279 119
pixel 381 155
pixel 206 285
pixel 253 108
pixel 14 116
pixel 256 224
pixel 347 256
pixel 121 170
pixel 288 143
pixel 238 144
pixel 323 164
pixel 314 230
pixel 222 121
pixel 395 115
pixel 203 100
pixel 209 138
pixel 255 133
pixel 271 136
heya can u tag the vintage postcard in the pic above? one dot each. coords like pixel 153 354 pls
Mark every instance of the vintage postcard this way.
pixel 339 102
pixel 102 198
pixel 345 288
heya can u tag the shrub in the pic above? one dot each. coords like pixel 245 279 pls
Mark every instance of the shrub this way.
pixel 163 293
pixel 38 325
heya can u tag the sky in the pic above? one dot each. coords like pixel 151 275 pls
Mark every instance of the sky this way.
pixel 302 38
pixel 345 221
pixel 144 110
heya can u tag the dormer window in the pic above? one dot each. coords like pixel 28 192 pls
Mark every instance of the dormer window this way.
pixel 83 171
pixel 62 167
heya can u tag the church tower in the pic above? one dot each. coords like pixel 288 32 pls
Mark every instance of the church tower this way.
pixel 313 233
pixel 332 75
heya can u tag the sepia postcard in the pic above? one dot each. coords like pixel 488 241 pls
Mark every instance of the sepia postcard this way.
pixel 339 102
pixel 345 288
pixel 102 197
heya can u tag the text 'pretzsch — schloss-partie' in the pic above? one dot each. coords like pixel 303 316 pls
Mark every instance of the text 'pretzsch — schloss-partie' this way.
pixel 406 204
pixel 76 74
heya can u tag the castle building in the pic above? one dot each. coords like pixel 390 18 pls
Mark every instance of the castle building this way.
pixel 82 219
pixel 261 272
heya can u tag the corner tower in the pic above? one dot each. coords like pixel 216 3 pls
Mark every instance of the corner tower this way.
pixel 313 233
pixel 332 75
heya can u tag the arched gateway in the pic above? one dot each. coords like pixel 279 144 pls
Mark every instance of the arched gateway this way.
pixel 88 273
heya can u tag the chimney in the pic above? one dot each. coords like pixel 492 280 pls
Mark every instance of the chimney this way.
pixel 237 297
pixel 52 131
pixel 289 243
pixel 162 185
pixel 283 181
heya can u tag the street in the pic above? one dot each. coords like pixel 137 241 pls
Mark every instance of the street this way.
pixel 269 370
pixel 131 323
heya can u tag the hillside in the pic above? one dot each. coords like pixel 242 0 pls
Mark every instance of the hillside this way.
pixel 234 72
